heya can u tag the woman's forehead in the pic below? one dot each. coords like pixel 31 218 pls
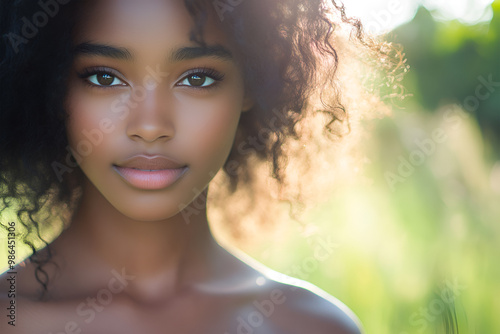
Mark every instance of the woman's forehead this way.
pixel 133 22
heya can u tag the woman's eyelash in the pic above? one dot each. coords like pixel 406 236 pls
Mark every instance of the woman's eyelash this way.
pixel 203 71
pixel 206 72
pixel 88 72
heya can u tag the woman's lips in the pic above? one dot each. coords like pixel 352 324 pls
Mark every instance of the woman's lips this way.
pixel 150 179
pixel 150 172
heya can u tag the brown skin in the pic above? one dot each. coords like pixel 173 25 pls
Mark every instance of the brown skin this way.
pixel 183 280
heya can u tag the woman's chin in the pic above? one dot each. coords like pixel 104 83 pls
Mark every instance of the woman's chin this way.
pixel 150 214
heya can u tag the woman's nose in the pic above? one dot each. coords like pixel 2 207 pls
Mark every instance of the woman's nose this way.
pixel 152 117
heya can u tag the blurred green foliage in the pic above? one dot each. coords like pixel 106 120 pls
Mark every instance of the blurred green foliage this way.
pixel 413 256
pixel 419 242
pixel 450 61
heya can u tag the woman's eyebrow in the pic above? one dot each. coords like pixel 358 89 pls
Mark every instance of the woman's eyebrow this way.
pixel 214 51
pixel 185 53
pixel 103 50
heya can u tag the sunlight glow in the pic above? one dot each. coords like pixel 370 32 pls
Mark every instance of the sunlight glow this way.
pixel 381 16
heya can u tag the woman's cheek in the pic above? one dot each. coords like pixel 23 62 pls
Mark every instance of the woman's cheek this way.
pixel 90 124
pixel 214 128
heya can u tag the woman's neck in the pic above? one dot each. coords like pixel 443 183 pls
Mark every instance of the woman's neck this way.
pixel 162 256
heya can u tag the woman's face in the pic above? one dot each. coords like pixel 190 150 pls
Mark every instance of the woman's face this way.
pixel 140 87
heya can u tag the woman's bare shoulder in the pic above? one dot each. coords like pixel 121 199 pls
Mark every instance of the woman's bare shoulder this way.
pixel 16 283
pixel 296 306
pixel 19 280
pixel 283 304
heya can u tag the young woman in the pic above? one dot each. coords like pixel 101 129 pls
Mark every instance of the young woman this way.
pixel 120 113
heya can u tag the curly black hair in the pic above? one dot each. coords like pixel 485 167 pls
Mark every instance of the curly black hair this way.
pixel 282 45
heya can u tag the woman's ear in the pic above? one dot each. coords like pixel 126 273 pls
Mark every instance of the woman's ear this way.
pixel 248 103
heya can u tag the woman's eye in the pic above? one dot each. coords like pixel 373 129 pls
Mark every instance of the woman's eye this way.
pixel 197 80
pixel 105 79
